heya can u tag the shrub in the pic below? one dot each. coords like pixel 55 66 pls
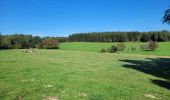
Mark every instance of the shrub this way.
pixel 121 47
pixel 113 49
pixel 133 49
pixel 50 43
pixel 151 46
pixel 103 50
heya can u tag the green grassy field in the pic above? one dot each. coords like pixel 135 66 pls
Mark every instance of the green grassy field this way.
pixel 77 75
pixel 163 50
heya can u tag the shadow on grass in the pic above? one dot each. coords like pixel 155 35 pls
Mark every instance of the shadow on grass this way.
pixel 159 67
pixel 162 83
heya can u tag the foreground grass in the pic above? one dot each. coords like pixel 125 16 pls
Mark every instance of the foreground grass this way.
pixel 74 75
pixel 163 50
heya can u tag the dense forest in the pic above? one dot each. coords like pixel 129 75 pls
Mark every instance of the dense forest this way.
pixel 21 41
pixel 160 36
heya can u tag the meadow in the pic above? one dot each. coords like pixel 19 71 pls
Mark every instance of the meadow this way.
pixel 77 71
pixel 163 49
pixel 84 50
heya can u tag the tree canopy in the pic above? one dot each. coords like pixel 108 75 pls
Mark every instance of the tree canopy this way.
pixel 21 41
pixel 166 17
pixel 160 36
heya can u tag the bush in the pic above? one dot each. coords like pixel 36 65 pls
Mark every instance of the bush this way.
pixel 151 46
pixel 103 50
pixel 113 49
pixel 133 48
pixel 121 47
pixel 50 43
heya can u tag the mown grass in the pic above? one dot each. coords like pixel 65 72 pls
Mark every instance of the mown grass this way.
pixel 163 50
pixel 74 75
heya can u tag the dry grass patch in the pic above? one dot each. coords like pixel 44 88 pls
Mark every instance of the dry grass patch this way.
pixel 50 98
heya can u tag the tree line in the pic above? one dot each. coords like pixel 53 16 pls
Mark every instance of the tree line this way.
pixel 21 41
pixel 160 36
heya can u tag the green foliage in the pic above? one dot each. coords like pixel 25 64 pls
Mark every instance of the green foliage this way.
pixel 120 36
pixel 166 17
pixel 103 50
pixel 17 46
pixel 121 46
pixel 50 43
pixel 162 37
pixel 112 49
pixel 36 40
pixel 6 43
pixel 19 41
pixel 144 38
pixel 62 39
pixel 118 47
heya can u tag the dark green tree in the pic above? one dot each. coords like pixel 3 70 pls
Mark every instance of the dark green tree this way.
pixel 166 17
pixel 36 40
pixel 6 43
pixel 120 36
pixel 144 38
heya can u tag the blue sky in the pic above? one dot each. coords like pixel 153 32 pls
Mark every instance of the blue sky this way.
pixel 64 17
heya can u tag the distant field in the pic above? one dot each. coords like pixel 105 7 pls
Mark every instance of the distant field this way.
pixel 163 50
pixel 76 75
